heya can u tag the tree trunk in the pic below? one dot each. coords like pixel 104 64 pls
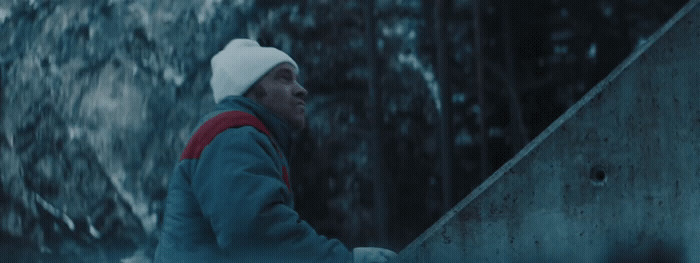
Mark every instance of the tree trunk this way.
pixel 376 160
pixel 485 168
pixel 441 14
pixel 517 126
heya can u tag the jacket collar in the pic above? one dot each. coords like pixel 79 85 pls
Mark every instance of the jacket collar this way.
pixel 279 129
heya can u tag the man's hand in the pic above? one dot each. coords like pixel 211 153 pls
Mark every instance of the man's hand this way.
pixel 371 255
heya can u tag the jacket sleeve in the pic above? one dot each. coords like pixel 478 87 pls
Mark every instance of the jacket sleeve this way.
pixel 237 184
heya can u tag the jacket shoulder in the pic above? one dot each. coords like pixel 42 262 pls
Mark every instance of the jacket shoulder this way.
pixel 216 125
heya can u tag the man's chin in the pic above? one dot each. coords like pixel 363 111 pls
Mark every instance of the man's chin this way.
pixel 298 124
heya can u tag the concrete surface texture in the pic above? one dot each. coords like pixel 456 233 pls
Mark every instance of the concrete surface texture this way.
pixel 614 179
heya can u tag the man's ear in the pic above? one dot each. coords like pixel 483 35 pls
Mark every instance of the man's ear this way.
pixel 256 92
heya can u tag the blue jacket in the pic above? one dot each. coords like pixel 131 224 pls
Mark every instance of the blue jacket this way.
pixel 229 197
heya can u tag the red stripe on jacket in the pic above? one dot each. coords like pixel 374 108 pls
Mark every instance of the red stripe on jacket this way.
pixel 219 123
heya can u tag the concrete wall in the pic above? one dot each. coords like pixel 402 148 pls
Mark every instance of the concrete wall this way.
pixel 616 178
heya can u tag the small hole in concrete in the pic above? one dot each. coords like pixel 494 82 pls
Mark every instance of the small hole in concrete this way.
pixel 598 175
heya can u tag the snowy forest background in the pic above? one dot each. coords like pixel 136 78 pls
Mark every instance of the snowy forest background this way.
pixel 99 98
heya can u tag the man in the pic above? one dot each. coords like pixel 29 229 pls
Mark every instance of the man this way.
pixel 230 197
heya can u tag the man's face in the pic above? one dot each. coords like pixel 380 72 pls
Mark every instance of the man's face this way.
pixel 280 93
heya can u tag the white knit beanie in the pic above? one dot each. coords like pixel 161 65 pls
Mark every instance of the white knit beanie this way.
pixel 240 64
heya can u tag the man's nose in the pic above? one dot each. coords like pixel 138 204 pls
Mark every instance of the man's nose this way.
pixel 300 92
